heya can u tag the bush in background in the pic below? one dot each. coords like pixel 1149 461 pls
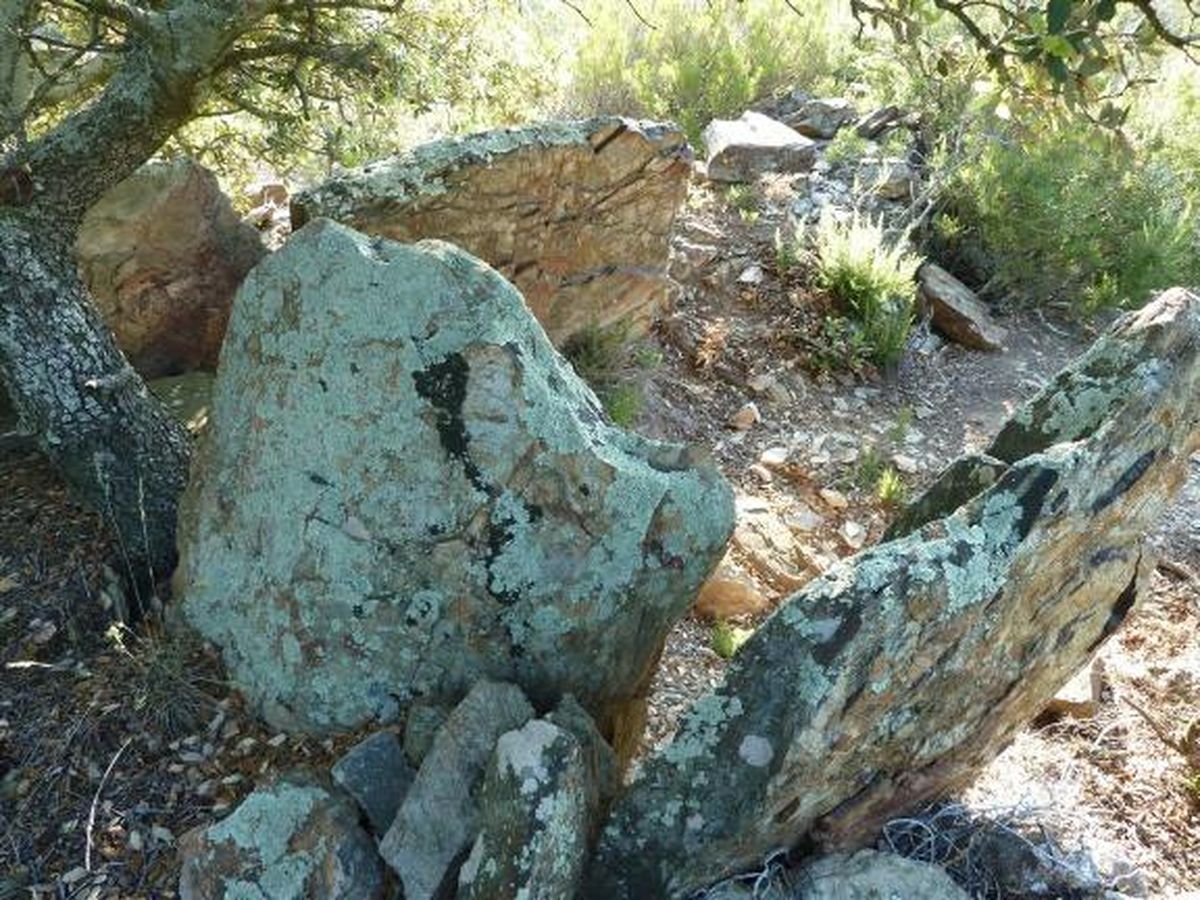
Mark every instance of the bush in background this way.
pixel 1076 214
pixel 706 59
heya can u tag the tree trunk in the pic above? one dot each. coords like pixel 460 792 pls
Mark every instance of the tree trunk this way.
pixel 113 442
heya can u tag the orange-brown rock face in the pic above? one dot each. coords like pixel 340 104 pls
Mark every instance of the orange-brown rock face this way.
pixel 163 254
pixel 577 215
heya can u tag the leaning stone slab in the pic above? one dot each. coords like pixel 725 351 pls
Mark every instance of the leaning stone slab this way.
pixel 897 674
pixel 404 488
pixel 957 312
pixel 577 215
pixel 163 253
pixel 533 817
pixel 440 815
pixel 743 149
pixel 293 838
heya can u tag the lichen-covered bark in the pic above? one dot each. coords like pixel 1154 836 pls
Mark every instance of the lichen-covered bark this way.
pixel 116 446
pixel 71 386
pixel 894 676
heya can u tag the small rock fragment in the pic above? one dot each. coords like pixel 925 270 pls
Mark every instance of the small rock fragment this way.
pixel 746 417
pixel 834 499
pixel 377 775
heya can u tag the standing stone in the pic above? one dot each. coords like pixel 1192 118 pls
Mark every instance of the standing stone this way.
pixel 404 489
pixel 577 215
pixel 895 676
pixel 440 814
pixel 162 254
pixel 293 838
pixel 957 312
pixel 533 819
pixel 377 775
pixel 742 149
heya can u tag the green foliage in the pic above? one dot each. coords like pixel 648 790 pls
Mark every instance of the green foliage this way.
pixel 728 639
pixel 1077 214
pixel 696 61
pixel 787 253
pixel 869 468
pixel 601 357
pixel 741 197
pixel 890 488
pixel 872 279
pixel 847 146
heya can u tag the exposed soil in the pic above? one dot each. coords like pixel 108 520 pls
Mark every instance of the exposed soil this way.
pixel 113 746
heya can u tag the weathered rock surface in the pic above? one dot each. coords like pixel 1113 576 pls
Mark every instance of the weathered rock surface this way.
pixel 533 819
pixel 163 254
pixel 577 215
pixel 957 312
pixel 822 118
pixel 870 875
pixel 963 479
pixel 889 178
pixel 405 489
pixel 376 773
pixel 742 149
pixel 440 815
pixel 894 676
pixel 293 838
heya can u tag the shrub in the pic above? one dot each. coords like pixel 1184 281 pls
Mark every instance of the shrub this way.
pixel 871 278
pixel 1076 214
pixel 600 356
pixel 696 60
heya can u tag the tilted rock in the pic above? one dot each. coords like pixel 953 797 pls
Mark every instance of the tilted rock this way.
pixel 293 838
pixel 896 675
pixel 404 489
pixel 822 119
pixel 439 817
pixel 162 254
pixel 742 149
pixel 533 819
pixel 957 312
pixel 377 775
pixel 577 215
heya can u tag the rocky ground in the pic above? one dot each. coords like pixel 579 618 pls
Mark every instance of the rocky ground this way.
pixel 113 743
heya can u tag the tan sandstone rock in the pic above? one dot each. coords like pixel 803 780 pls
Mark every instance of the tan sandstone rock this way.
pixel 163 254
pixel 576 214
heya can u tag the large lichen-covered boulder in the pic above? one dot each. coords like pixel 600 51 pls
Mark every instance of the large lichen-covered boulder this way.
pixel 576 214
pixel 292 838
pixel 897 674
pixel 162 254
pixel 404 488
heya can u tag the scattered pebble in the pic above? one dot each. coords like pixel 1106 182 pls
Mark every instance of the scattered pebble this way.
pixel 906 464
pixel 773 457
pixel 854 535
pixel 834 499
pixel 746 417
pixel 762 473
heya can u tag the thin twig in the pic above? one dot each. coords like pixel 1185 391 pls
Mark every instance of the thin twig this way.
pixel 87 850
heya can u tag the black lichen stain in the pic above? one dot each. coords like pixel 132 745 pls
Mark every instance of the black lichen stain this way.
pixel 444 385
pixel 1127 480
pixel 824 653
pixel 1030 487
pixel 499 534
